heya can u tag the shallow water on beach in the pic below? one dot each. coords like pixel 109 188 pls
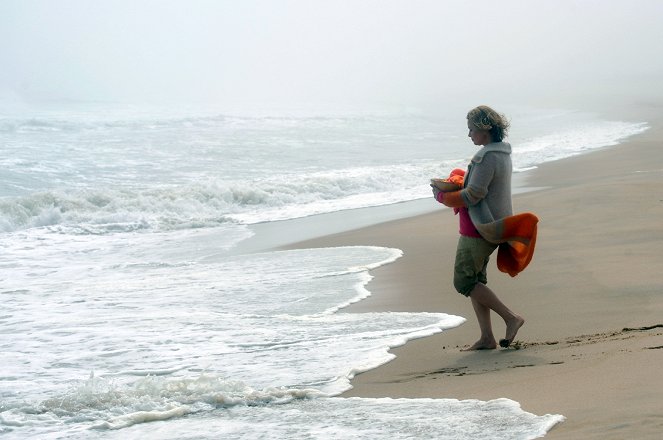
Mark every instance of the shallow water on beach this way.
pixel 125 300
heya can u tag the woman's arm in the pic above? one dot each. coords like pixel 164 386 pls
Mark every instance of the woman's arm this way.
pixel 451 199
pixel 480 179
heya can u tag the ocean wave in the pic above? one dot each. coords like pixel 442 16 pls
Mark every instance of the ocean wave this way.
pixel 98 212
pixel 78 124
pixel 140 121
pixel 217 202
pixel 151 199
pixel 573 141
pixel 110 404
pixel 240 411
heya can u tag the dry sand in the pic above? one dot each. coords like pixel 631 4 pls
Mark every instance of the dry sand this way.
pixel 592 346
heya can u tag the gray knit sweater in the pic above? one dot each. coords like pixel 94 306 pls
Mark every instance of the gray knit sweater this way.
pixel 487 187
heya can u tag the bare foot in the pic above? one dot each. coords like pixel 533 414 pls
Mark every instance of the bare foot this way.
pixel 512 327
pixel 482 345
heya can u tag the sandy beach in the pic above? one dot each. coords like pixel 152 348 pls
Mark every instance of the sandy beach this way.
pixel 592 346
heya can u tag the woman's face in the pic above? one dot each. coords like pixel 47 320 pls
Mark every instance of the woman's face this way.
pixel 479 137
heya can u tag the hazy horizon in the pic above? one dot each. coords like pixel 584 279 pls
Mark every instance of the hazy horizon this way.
pixel 350 52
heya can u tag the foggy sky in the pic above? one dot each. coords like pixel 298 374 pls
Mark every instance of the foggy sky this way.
pixel 308 51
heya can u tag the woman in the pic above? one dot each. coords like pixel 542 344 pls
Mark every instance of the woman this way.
pixel 485 198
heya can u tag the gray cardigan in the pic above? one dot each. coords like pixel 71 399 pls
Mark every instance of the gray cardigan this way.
pixel 487 187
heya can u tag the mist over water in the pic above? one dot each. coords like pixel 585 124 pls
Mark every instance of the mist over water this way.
pixel 343 52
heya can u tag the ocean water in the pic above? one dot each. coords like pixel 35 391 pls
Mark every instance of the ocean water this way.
pixel 128 311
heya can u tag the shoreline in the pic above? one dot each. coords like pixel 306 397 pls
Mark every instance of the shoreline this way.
pixel 595 273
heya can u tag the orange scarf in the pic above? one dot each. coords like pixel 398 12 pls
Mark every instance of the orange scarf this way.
pixel 517 237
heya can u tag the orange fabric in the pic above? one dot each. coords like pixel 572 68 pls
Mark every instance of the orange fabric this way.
pixel 457 176
pixel 453 199
pixel 457 172
pixel 516 252
pixel 458 180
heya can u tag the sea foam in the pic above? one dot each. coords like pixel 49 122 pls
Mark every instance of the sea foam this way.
pixel 176 333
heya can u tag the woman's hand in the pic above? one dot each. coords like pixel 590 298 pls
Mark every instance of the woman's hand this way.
pixel 436 193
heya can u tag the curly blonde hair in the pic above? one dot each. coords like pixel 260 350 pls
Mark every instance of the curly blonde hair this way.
pixel 485 118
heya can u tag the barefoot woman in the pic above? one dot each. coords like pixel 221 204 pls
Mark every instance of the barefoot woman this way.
pixel 486 191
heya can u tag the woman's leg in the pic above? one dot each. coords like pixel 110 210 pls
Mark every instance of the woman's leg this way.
pixel 472 256
pixel 487 300
pixel 487 340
